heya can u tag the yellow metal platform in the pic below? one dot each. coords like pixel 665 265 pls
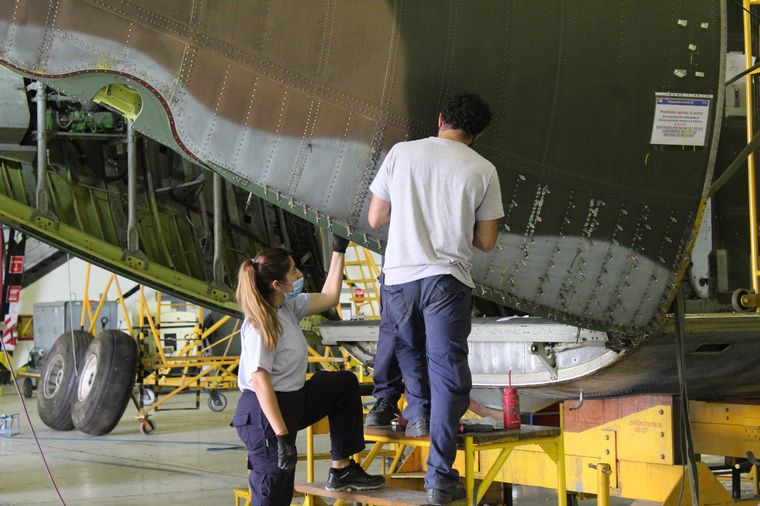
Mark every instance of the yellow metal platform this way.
pixel 471 446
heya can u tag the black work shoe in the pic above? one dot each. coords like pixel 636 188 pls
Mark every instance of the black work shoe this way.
pixel 418 428
pixel 441 497
pixel 381 414
pixel 352 477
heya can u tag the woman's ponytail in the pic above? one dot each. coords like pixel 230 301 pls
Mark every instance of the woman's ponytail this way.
pixel 254 292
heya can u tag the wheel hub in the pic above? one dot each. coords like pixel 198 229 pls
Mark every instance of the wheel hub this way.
pixel 54 376
pixel 89 371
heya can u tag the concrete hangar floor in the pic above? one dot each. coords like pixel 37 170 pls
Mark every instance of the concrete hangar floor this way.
pixel 193 458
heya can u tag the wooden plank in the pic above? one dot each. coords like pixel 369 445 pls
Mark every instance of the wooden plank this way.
pixel 596 412
pixel 526 432
pixel 380 497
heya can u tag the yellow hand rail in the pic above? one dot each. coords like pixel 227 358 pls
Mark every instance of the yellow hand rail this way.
pixel 751 159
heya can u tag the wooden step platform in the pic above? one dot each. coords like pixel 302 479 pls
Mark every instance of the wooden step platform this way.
pixel 385 496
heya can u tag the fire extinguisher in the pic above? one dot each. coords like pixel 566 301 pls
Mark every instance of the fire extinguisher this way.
pixel 511 403
pixel 358 295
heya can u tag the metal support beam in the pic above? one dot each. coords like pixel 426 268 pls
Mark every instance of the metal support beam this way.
pixel 735 165
pixel 42 203
pixel 691 459
pixel 603 472
pixel 133 238
pixel 751 159
pixel 218 265
pixel 743 73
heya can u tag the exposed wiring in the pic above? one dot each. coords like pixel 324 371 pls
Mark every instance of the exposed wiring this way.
pixel 21 397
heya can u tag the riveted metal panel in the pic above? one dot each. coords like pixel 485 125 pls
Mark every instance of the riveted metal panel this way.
pixel 599 221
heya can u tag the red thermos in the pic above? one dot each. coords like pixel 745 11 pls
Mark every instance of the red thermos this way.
pixel 511 402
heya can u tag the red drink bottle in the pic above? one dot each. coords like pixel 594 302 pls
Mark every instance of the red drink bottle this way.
pixel 511 402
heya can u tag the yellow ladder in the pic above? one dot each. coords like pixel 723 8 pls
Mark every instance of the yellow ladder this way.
pixel 361 273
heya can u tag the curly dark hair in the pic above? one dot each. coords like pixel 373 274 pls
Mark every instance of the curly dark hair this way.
pixel 466 112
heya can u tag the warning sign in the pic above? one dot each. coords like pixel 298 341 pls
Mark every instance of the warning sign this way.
pixel 14 293
pixel 680 119
pixel 16 265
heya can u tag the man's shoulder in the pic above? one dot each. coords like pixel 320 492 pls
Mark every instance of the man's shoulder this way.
pixel 414 144
pixel 482 163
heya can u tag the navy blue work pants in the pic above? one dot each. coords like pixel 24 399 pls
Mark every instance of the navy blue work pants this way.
pixel 386 373
pixel 430 320
pixel 331 394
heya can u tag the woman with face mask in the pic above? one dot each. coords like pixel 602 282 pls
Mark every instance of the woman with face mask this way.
pixel 276 400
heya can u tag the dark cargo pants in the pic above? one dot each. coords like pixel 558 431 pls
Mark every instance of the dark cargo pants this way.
pixel 386 374
pixel 331 394
pixel 430 320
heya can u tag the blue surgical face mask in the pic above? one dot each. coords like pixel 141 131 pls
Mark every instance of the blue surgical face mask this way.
pixel 297 287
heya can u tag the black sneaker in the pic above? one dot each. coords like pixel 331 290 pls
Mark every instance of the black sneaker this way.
pixel 418 428
pixel 352 477
pixel 381 414
pixel 440 497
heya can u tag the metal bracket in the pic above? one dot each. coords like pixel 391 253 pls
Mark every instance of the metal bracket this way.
pixel 545 352
pixel 221 293
pixel 45 221
pixel 135 259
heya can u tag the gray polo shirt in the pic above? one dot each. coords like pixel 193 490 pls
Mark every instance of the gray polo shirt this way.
pixel 438 188
pixel 287 362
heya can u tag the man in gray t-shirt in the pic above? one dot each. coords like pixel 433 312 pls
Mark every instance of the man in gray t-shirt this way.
pixel 441 199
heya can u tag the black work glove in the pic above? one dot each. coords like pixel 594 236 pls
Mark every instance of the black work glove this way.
pixel 287 455
pixel 339 244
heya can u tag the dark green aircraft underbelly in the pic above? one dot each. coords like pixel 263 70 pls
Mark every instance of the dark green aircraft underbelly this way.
pixel 298 102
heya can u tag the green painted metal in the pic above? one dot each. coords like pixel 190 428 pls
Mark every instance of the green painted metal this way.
pixel 87 228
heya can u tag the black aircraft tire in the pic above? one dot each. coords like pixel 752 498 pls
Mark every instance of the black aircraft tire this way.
pixel 58 379
pixel 28 387
pixel 105 383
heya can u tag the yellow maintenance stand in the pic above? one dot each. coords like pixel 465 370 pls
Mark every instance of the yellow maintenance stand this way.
pixel 630 447
pixel 470 462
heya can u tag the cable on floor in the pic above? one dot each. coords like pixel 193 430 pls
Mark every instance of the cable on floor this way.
pixel 21 397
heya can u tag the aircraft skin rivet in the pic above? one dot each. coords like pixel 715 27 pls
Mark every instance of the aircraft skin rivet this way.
pixel 662 434
pixel 606 452
pixel 661 412
pixel 662 456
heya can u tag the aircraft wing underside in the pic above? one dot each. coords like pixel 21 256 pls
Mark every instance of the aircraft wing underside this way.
pixel 298 102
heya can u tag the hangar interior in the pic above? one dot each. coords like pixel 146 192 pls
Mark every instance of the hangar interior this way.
pixel 148 149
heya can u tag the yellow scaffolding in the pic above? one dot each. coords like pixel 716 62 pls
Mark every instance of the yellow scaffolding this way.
pixel 192 366
pixel 361 273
